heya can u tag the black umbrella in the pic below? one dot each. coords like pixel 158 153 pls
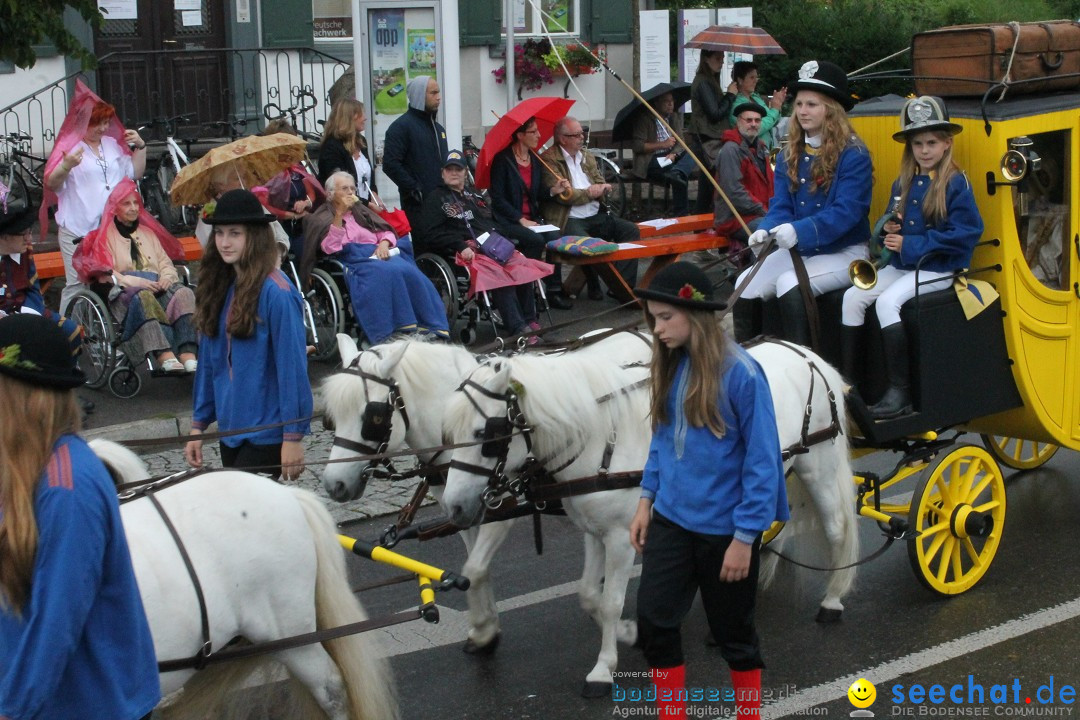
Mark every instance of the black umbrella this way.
pixel 624 120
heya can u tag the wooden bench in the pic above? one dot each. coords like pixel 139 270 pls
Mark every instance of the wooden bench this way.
pixel 50 264
pixel 664 246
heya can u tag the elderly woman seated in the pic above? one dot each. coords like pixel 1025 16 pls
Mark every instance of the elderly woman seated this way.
pixel 389 294
pixel 131 250
pixel 450 221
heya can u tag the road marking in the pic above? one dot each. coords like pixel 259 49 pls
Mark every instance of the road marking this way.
pixel 453 626
pixel 803 700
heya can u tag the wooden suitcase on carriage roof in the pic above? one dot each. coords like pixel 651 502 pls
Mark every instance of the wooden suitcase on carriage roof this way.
pixel 968 59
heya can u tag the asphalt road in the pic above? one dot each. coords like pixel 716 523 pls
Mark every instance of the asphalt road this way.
pixel 1018 628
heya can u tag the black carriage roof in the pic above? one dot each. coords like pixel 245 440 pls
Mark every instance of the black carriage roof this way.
pixel 972 107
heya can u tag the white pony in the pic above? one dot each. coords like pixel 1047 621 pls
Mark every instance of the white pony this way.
pixel 426 376
pixel 270 567
pixel 571 408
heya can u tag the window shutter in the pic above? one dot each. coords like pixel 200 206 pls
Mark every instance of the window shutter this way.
pixel 608 20
pixel 480 21
pixel 287 23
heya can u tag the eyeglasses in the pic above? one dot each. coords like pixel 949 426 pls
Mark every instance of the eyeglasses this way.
pixel 574 135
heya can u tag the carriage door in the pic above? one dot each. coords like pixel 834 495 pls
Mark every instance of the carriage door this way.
pixel 166 68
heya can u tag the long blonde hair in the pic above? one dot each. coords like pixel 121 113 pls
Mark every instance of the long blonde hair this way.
pixel 259 259
pixel 933 203
pixel 26 443
pixel 341 125
pixel 707 350
pixel 836 133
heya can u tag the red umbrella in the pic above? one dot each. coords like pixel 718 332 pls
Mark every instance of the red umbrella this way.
pixel 728 38
pixel 546 110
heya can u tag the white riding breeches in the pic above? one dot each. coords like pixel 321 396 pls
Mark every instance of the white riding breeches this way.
pixel 894 287
pixel 826 272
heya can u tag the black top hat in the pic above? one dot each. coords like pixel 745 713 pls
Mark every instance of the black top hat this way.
pixel 826 78
pixel 751 106
pixel 36 350
pixel 16 213
pixel 238 207
pixel 454 157
pixel 683 284
pixel 923 114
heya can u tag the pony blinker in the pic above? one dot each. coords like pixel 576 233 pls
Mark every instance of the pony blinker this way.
pixel 376 421
pixel 496 437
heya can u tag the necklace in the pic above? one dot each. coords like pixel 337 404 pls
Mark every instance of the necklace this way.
pixel 102 163
pixel 521 159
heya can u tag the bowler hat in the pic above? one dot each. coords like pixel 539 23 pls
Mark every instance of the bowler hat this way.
pixel 923 114
pixel 238 207
pixel 826 78
pixel 16 213
pixel 751 106
pixel 37 351
pixel 683 284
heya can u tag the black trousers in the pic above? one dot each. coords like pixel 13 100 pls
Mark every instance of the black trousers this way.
pixel 677 562
pixel 613 229
pixel 261 459
pixel 531 245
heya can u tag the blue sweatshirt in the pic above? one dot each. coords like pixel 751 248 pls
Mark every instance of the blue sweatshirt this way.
pixel 952 239
pixel 81 649
pixel 720 486
pixel 826 221
pixel 258 380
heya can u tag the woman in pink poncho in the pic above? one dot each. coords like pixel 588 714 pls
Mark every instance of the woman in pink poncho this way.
pixel 92 154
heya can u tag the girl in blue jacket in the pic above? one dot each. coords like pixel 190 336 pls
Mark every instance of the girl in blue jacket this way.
pixel 74 639
pixel 938 229
pixel 252 348
pixel 713 483
pixel 820 204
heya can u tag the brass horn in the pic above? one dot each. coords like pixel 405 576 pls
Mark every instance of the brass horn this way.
pixel 863 273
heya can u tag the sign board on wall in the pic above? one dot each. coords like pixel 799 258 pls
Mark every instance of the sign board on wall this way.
pixel 655 61
pixel 118 9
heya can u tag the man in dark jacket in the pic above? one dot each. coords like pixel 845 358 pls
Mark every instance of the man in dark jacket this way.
pixel 745 175
pixel 415 146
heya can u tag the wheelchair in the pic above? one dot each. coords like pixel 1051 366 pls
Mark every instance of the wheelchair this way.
pixel 462 312
pixel 325 311
pixel 102 357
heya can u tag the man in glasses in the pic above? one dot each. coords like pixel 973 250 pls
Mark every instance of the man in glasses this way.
pixel 584 211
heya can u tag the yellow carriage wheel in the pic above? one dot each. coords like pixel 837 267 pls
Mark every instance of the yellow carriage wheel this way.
pixel 958 511
pixel 1018 453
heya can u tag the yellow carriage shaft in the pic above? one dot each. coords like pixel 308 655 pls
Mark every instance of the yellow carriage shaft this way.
pixel 1036 263
pixel 388 557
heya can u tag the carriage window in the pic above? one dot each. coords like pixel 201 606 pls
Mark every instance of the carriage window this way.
pixel 1043 212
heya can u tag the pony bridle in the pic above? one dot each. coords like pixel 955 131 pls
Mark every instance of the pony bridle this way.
pixel 377 423
pixel 495 443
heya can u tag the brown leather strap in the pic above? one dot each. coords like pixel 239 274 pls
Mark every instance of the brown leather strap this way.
pixel 584 486
pixel 201 658
pixel 809 301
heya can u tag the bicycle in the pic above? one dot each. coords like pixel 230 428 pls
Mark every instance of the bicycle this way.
pixel 156 186
pixel 20 170
pixel 472 153
pixel 305 102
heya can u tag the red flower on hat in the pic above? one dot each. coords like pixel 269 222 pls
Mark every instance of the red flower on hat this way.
pixel 689 292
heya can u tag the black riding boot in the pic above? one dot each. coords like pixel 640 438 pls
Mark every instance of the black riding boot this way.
pixel 793 317
pixel 897 399
pixel 851 352
pixel 742 317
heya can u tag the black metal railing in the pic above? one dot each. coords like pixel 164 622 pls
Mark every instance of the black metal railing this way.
pixel 214 85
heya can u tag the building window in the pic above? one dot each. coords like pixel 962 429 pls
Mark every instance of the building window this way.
pixel 557 17
pixel 333 19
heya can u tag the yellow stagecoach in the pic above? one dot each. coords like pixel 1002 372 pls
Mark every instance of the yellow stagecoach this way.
pixel 1011 372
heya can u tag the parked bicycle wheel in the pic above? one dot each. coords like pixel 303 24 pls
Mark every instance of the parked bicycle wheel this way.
pixel 171 217
pixel 157 201
pixel 13 181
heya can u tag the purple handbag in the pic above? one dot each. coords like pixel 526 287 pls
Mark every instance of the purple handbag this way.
pixel 497 247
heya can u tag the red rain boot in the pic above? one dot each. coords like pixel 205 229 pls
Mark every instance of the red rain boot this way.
pixel 671 679
pixel 747 693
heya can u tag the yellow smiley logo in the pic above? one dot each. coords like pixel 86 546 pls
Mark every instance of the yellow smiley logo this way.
pixel 861 693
